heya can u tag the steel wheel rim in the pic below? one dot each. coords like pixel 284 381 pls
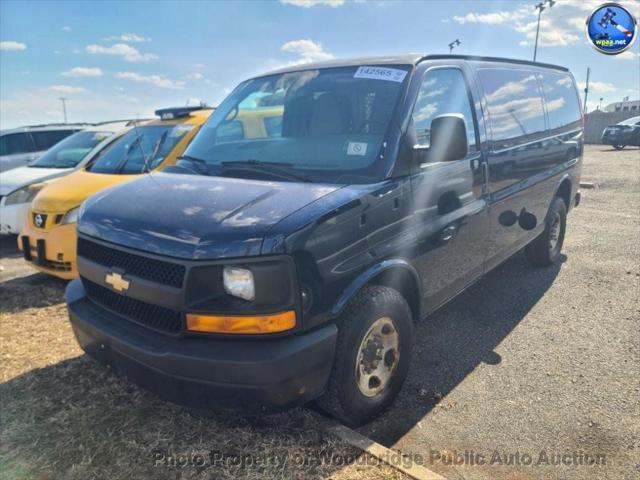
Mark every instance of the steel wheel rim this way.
pixel 554 232
pixel 378 357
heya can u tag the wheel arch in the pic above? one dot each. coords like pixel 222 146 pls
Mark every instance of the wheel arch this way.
pixel 563 190
pixel 395 273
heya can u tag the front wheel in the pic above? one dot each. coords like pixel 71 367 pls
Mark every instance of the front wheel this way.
pixel 372 355
pixel 619 147
pixel 545 249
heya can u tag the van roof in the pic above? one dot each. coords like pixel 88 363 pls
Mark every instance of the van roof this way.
pixel 407 59
pixel 47 127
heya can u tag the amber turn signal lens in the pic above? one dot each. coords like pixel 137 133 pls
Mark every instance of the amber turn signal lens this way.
pixel 240 324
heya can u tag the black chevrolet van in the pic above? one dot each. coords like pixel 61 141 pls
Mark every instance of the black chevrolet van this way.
pixel 320 212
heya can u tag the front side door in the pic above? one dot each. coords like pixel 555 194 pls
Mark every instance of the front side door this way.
pixel 449 207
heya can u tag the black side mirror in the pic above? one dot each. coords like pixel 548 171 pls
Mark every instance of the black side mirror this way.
pixel 448 139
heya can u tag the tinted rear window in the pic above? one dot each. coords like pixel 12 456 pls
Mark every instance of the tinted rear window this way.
pixel 15 143
pixel 563 104
pixel 514 102
pixel 47 139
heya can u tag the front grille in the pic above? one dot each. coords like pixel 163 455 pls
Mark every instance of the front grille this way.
pixel 152 316
pixel 158 271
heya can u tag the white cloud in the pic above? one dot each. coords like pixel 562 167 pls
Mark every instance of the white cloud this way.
pixel 160 81
pixel 313 3
pixel 83 72
pixel 194 76
pixel 628 55
pixel 577 22
pixel 308 50
pixel 129 53
pixel 39 105
pixel 66 28
pixel 7 45
pixel 66 89
pixel 130 37
pixel 493 18
pixel 560 26
pixel 598 87
pixel 551 35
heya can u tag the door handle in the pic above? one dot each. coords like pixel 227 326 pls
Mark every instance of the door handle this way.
pixel 485 172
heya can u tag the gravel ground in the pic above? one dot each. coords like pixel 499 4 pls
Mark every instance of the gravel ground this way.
pixel 526 361
pixel 535 361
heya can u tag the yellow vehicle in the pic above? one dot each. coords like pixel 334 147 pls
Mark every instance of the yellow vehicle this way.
pixel 48 239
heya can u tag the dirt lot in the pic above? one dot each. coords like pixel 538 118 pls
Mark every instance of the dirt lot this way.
pixel 526 361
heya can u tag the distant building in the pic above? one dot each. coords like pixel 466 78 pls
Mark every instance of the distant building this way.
pixel 625 106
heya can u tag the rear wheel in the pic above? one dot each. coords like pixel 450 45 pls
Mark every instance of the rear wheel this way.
pixel 372 355
pixel 619 147
pixel 545 249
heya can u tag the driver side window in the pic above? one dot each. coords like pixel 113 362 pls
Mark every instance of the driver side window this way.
pixel 443 91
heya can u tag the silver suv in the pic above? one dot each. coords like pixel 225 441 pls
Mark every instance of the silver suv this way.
pixel 20 146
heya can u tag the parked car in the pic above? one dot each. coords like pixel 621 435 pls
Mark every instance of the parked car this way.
pixel 48 239
pixel 19 146
pixel 20 185
pixel 622 134
pixel 262 272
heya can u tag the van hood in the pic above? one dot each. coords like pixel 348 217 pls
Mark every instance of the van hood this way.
pixel 22 176
pixel 70 191
pixel 195 217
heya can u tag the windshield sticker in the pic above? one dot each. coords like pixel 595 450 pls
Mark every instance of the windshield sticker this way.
pixel 381 73
pixel 179 131
pixel 357 148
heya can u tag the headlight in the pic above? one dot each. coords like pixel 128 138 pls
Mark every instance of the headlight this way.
pixel 71 216
pixel 24 194
pixel 239 283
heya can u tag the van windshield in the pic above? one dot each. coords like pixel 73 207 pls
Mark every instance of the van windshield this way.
pixel 140 150
pixel 325 125
pixel 70 151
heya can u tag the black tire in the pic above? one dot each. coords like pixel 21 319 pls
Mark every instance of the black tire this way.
pixel 343 398
pixel 543 251
pixel 619 147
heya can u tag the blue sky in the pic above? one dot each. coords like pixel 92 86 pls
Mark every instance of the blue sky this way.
pixel 117 59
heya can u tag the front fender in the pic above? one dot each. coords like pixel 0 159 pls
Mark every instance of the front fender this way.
pixel 375 271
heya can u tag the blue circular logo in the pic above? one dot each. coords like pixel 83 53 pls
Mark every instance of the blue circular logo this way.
pixel 611 28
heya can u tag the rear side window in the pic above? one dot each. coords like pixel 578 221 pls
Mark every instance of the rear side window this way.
pixel 514 102
pixel 563 105
pixel 15 143
pixel 443 91
pixel 46 139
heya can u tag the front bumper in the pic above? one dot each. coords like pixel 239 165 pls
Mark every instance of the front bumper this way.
pixel 57 254
pixel 246 375
pixel 12 218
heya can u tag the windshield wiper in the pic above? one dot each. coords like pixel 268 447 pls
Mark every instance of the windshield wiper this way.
pixel 274 168
pixel 156 150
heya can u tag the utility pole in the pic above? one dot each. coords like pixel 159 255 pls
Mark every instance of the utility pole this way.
pixel 540 7
pixel 64 108
pixel 586 90
pixel 454 44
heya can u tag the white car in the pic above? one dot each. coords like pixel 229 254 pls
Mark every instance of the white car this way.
pixel 20 146
pixel 20 185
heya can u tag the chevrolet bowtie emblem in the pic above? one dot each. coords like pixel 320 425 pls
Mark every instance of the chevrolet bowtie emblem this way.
pixel 116 281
